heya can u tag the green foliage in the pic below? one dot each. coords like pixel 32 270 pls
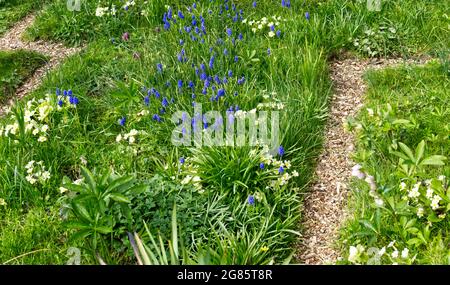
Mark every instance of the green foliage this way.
pixel 15 67
pixel 404 145
pixel 33 237
pixel 211 190
pixel 12 11
pixel 377 42
pixel 92 205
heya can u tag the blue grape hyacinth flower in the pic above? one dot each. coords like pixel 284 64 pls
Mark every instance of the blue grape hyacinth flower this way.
pixel 281 151
pixel 122 121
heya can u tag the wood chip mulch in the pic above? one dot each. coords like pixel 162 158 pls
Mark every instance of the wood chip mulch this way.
pixel 57 52
pixel 325 204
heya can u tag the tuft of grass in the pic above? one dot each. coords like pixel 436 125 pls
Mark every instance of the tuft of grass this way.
pixel 12 11
pixel 35 236
pixel 15 68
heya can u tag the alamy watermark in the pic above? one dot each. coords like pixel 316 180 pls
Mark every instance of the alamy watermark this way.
pixel 374 5
pixel 236 128
pixel 74 5
pixel 74 255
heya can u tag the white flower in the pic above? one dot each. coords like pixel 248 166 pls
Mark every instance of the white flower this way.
pixel 119 138
pixel 379 202
pixel 420 212
pixel 260 26
pixel 391 244
pixel 83 160
pixel 30 164
pixel 355 252
pixel 441 216
pixel 441 177
pixel 287 164
pixel 254 30
pixel 435 202
pixel 31 179
pixel 2 202
pixel 271 34
pixel 113 10
pixel 186 180
pixel 45 175
pixel 258 196
pixel 394 254
pixel 295 173
pixel 382 251
pixel 143 113
pixel 42 139
pixel 44 128
pixel 62 190
pixel 133 132
pixel 353 255
pixel 132 140
pixel 244 21
pixel 405 253
pixel 403 186
pixel 99 12
pixel 430 193
pixel 370 112
pixel 414 192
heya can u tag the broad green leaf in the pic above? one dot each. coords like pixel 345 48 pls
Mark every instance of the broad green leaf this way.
pixel 75 188
pixel 119 182
pixel 407 151
pixel 436 160
pixel 414 242
pixel 81 211
pixel 89 179
pixel 81 234
pixel 104 178
pixel 103 229
pixel 136 190
pixel 401 155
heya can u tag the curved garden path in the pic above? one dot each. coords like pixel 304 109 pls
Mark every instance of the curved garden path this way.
pixel 56 52
pixel 325 204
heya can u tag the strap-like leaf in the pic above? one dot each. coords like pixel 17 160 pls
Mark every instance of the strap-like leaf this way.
pixel 175 231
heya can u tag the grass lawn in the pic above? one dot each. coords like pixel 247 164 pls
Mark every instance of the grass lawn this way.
pixel 15 67
pixel 93 144
pixel 12 11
